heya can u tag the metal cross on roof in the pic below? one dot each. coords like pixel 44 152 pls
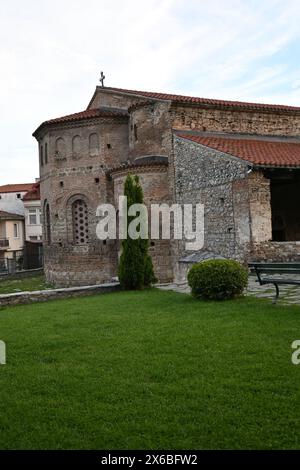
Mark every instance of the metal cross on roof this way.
pixel 102 78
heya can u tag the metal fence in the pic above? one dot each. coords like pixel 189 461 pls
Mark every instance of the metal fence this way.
pixel 31 257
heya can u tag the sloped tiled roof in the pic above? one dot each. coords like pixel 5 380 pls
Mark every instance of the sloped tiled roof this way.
pixel 10 216
pixel 204 101
pixel 15 188
pixel 83 115
pixel 33 194
pixel 258 152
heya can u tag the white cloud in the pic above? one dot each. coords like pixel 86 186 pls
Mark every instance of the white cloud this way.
pixel 51 54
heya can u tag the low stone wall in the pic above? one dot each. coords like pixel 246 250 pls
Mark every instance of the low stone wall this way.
pixel 53 294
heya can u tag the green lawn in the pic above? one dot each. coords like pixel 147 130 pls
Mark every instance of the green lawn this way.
pixel 11 286
pixel 150 370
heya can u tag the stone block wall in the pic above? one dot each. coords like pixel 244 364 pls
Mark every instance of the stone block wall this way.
pixel 231 120
pixel 260 207
pixel 220 182
pixel 238 215
pixel 21 298
pixel 276 251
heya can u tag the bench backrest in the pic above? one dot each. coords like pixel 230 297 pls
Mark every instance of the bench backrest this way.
pixel 275 268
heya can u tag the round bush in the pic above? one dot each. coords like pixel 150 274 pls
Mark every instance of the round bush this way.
pixel 217 279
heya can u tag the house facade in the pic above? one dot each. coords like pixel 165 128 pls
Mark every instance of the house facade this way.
pixel 20 226
pixel 240 160
pixel 12 238
pixel 32 214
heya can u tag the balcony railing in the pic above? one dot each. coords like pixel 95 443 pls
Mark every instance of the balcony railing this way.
pixel 4 243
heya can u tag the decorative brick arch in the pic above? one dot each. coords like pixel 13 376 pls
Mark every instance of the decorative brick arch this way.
pixel 80 222
pixel 78 219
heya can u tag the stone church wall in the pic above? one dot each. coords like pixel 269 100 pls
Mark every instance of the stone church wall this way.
pixel 78 156
pixel 220 182
pixel 67 263
pixel 150 130
pixel 154 181
pixel 235 121
pixel 276 251
pixel 82 175
pixel 260 207
pixel 113 99
pixel 238 215
pixel 101 141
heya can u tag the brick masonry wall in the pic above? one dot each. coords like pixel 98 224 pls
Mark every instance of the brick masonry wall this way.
pixel 149 130
pixel 80 148
pixel 80 265
pixel 154 135
pixel 154 181
pixel 80 176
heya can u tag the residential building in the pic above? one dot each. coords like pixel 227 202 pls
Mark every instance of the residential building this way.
pixel 11 197
pixel 11 240
pixel 32 212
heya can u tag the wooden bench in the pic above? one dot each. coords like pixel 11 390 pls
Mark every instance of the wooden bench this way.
pixel 267 273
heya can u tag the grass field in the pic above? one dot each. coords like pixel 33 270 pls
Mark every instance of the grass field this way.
pixel 11 286
pixel 153 370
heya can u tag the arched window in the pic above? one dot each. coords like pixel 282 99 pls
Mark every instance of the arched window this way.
pixel 80 222
pixel 47 223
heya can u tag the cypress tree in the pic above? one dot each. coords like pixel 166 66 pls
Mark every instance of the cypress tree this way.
pixel 135 265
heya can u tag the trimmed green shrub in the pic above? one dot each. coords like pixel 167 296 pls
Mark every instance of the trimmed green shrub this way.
pixel 217 279
pixel 135 265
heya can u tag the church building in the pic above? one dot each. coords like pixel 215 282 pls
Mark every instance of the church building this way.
pixel 241 160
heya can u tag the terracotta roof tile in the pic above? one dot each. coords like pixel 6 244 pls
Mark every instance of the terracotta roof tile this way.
pixel 33 194
pixel 258 152
pixel 15 188
pixel 83 115
pixel 205 101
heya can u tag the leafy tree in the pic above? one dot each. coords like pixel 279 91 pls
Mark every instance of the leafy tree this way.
pixel 135 265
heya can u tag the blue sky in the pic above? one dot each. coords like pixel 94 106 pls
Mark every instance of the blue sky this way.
pixel 52 52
